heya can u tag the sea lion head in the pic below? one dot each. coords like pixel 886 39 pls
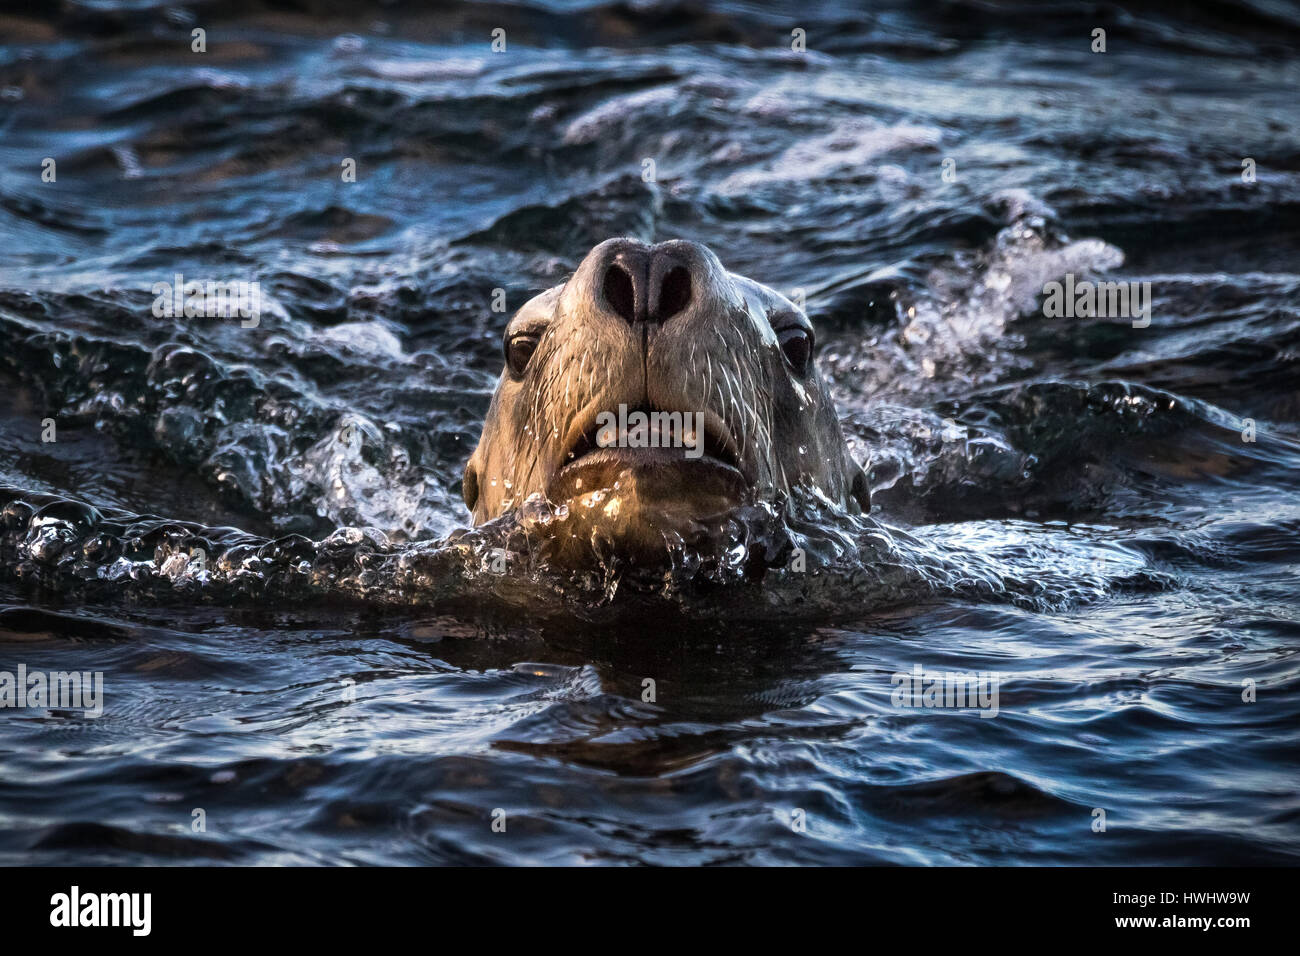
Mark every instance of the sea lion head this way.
pixel 653 392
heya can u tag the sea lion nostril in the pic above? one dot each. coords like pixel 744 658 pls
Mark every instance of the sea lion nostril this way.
pixel 645 287
pixel 675 294
pixel 620 293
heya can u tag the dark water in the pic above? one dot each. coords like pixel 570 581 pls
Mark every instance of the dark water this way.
pixel 1070 504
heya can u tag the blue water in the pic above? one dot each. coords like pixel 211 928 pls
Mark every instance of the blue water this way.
pixel 1104 517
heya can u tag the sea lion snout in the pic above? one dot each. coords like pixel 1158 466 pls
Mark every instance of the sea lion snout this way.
pixel 645 283
pixel 652 392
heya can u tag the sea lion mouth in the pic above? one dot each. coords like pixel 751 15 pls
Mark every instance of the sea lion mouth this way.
pixel 669 452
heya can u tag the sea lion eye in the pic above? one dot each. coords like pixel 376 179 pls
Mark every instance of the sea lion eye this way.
pixel 797 345
pixel 519 349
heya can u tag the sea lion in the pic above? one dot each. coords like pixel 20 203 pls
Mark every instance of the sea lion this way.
pixel 653 392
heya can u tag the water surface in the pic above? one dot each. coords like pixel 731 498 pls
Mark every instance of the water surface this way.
pixel 1071 504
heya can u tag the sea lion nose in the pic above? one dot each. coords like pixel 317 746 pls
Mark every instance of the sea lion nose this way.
pixel 646 285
